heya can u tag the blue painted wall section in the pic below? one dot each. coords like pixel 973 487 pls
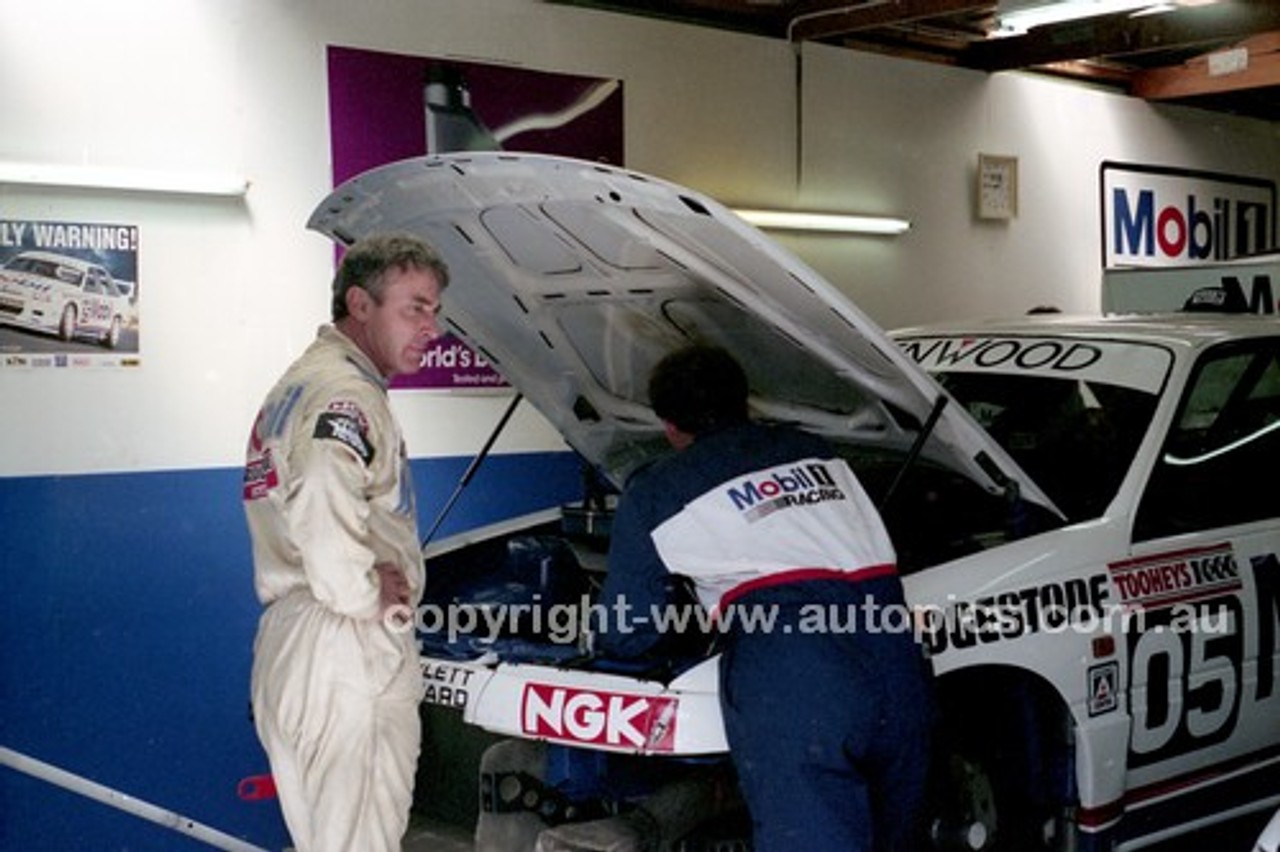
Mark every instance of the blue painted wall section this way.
pixel 126 626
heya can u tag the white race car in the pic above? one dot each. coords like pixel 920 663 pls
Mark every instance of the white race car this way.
pixel 62 295
pixel 1085 512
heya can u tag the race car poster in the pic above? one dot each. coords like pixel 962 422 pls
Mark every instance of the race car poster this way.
pixel 385 107
pixel 68 294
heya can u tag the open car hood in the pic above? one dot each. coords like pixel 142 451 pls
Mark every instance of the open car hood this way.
pixel 574 278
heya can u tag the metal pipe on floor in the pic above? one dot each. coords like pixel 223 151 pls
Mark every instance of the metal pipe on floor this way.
pixel 123 801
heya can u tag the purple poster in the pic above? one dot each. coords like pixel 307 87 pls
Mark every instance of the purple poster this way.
pixel 385 107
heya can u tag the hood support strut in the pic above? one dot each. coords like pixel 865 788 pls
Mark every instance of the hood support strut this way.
pixel 470 472
pixel 917 446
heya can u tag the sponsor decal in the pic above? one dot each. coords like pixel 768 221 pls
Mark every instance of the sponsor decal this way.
pixel 1104 688
pixel 1155 216
pixel 615 720
pixel 762 494
pixel 345 423
pixel 1079 604
pixel 1131 365
pixel 445 684
pixel 260 476
pixel 1022 354
pixel 1183 576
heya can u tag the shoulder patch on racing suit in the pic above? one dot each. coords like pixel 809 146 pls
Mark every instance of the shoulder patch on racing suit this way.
pixel 345 422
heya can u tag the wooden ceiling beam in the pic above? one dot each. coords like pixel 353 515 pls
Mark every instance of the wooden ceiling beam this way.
pixel 1252 64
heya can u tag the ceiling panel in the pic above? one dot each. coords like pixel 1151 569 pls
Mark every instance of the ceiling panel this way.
pixel 1222 56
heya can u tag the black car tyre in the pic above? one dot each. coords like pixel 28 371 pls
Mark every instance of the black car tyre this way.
pixel 112 338
pixel 1003 782
pixel 67 324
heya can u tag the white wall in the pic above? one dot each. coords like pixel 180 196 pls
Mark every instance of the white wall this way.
pixel 231 291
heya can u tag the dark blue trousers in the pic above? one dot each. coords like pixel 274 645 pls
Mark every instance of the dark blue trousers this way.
pixel 829 728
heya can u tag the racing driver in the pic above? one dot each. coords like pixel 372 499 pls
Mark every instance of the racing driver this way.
pixel 330 507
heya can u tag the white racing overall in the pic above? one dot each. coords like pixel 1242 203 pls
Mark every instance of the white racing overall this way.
pixel 335 689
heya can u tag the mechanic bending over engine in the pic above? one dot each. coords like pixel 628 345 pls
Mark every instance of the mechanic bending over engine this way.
pixel 330 508
pixel 828 730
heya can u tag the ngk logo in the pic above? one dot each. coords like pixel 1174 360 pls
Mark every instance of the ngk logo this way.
pixel 612 720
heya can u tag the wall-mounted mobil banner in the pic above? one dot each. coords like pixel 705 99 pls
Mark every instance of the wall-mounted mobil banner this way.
pixel 1157 216
pixel 385 107
pixel 68 294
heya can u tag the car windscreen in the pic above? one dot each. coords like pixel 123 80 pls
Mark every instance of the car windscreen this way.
pixel 1072 413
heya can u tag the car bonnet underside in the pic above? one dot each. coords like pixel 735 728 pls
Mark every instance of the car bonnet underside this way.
pixel 574 278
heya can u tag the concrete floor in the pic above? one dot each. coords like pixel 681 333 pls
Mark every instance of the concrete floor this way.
pixel 425 836
pixel 1236 836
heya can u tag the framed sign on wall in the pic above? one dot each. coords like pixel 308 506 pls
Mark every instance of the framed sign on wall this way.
pixel 997 187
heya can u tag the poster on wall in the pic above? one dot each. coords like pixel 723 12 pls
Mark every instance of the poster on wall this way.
pixel 68 294
pixel 385 107
pixel 1153 216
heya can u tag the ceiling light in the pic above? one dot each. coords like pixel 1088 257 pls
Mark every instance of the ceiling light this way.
pixel 132 180
pixel 794 220
pixel 1020 20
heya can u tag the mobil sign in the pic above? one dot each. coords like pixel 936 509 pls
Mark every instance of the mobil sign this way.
pixel 1155 216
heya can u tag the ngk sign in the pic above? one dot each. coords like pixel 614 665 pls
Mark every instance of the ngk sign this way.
pixel 612 720
pixel 1153 216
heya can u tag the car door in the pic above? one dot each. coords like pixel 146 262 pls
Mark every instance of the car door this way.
pixel 1203 583
pixel 95 305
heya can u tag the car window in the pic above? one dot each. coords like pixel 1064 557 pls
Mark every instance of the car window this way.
pixel 935 515
pixel 1075 438
pixel 1217 465
pixel 69 274
pixel 1071 410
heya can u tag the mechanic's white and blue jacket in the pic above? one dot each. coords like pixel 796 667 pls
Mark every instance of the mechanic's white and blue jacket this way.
pixel 742 509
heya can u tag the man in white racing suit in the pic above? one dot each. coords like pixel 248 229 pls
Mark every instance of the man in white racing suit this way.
pixel 330 508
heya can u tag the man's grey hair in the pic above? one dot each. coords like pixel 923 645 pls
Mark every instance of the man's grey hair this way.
pixel 366 263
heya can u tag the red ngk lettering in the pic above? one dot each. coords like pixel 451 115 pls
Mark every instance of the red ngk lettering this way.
pixel 614 720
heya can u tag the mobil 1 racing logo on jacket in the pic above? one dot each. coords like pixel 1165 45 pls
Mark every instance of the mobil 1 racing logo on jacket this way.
pixel 807 514
pixel 798 485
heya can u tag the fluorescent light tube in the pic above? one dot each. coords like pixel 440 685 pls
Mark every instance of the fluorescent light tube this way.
pixel 794 220
pixel 133 180
pixel 1022 20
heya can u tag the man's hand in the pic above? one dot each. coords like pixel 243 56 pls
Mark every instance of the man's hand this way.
pixel 394 593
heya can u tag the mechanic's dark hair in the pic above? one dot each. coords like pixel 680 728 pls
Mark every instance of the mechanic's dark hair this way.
pixel 366 263
pixel 699 388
